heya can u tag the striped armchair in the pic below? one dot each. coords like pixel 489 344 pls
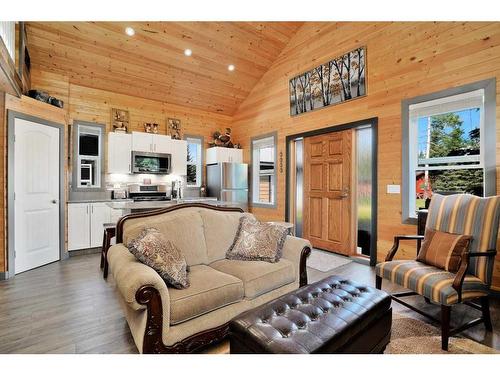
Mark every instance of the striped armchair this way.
pixel 459 214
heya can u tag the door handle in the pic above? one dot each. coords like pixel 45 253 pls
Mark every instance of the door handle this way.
pixel 54 201
pixel 344 193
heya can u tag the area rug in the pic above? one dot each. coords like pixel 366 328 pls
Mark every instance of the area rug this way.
pixel 324 261
pixel 409 336
pixel 414 336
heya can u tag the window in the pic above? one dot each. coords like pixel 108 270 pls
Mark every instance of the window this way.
pixel 194 161
pixel 447 147
pixel 264 170
pixel 88 155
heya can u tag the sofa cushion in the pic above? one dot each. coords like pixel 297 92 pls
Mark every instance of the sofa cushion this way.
pixel 258 277
pixel 152 249
pixel 257 241
pixel 209 290
pixel 220 229
pixel 184 229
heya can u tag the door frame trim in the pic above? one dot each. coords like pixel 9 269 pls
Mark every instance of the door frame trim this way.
pixel 12 116
pixel 373 122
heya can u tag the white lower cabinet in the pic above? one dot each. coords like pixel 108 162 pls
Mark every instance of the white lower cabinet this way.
pixel 85 224
pixel 78 226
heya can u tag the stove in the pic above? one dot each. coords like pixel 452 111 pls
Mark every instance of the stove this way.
pixel 142 193
pixel 150 198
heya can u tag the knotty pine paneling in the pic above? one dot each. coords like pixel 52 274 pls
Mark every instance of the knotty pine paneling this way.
pixel 94 105
pixel 404 60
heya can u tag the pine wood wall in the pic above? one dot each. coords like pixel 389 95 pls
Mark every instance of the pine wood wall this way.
pixel 404 60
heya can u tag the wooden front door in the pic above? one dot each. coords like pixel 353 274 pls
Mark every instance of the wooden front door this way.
pixel 327 191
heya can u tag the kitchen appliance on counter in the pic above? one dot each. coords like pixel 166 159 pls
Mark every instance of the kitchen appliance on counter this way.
pixel 228 182
pixel 119 193
pixel 151 163
pixel 140 192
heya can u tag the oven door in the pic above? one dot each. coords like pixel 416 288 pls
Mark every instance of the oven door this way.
pixel 151 163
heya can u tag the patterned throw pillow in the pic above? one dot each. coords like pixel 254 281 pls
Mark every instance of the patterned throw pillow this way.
pixel 443 249
pixel 257 241
pixel 155 251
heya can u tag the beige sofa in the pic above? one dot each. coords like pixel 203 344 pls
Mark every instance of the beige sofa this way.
pixel 169 320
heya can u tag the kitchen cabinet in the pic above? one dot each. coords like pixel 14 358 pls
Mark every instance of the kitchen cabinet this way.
pixel 224 155
pixel 179 157
pixel 142 142
pixel 119 152
pixel 147 142
pixel 85 224
pixel 163 144
pixel 100 214
pixel 78 226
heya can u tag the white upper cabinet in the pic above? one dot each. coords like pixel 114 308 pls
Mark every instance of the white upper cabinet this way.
pixel 163 144
pixel 142 142
pixel 119 152
pixel 224 155
pixel 179 157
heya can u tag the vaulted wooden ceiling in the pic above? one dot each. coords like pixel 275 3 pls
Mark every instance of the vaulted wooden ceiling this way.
pixel 151 64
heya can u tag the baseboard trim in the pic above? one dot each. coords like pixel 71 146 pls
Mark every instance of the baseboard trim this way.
pixel 4 275
pixel 93 250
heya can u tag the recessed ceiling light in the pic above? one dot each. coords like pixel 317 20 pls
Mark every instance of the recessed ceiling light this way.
pixel 129 31
pixel 230 67
pixel 188 52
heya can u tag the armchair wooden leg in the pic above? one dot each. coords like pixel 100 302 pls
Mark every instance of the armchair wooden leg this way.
pixel 445 326
pixel 485 308
pixel 378 282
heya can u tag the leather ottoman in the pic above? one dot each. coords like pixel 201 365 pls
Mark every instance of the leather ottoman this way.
pixel 334 315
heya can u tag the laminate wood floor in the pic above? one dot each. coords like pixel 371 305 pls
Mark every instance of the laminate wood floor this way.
pixel 67 307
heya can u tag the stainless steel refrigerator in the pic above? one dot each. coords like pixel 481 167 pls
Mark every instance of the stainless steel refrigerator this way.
pixel 228 182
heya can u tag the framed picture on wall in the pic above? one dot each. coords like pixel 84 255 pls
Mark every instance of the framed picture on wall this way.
pixel 174 128
pixel 339 80
pixel 120 120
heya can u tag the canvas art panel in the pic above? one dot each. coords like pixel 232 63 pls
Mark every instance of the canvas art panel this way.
pixel 336 81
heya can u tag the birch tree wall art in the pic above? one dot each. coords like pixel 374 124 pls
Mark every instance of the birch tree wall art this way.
pixel 336 81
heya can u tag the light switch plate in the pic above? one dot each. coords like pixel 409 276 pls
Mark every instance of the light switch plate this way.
pixel 393 189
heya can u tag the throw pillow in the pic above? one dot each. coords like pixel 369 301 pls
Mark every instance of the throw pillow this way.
pixel 155 251
pixel 257 241
pixel 443 249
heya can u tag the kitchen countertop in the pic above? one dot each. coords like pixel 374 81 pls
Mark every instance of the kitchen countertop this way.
pixel 151 205
pixel 104 200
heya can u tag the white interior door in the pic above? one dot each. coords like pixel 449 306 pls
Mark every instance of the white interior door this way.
pixel 36 187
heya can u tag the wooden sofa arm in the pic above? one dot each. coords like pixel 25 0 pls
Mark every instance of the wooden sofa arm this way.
pixel 395 246
pixel 464 266
pixel 297 250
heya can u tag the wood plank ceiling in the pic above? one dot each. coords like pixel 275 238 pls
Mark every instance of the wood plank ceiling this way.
pixel 151 64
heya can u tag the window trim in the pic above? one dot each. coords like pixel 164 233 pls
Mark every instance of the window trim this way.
pixel 202 159
pixel 275 184
pixel 489 137
pixel 75 162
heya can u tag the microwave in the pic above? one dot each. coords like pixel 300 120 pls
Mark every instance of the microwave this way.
pixel 151 163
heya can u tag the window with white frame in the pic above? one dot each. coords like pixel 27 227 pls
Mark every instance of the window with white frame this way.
pixel 446 145
pixel 194 161
pixel 264 170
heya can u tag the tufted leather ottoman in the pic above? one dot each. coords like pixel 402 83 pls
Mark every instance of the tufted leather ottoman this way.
pixel 334 315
